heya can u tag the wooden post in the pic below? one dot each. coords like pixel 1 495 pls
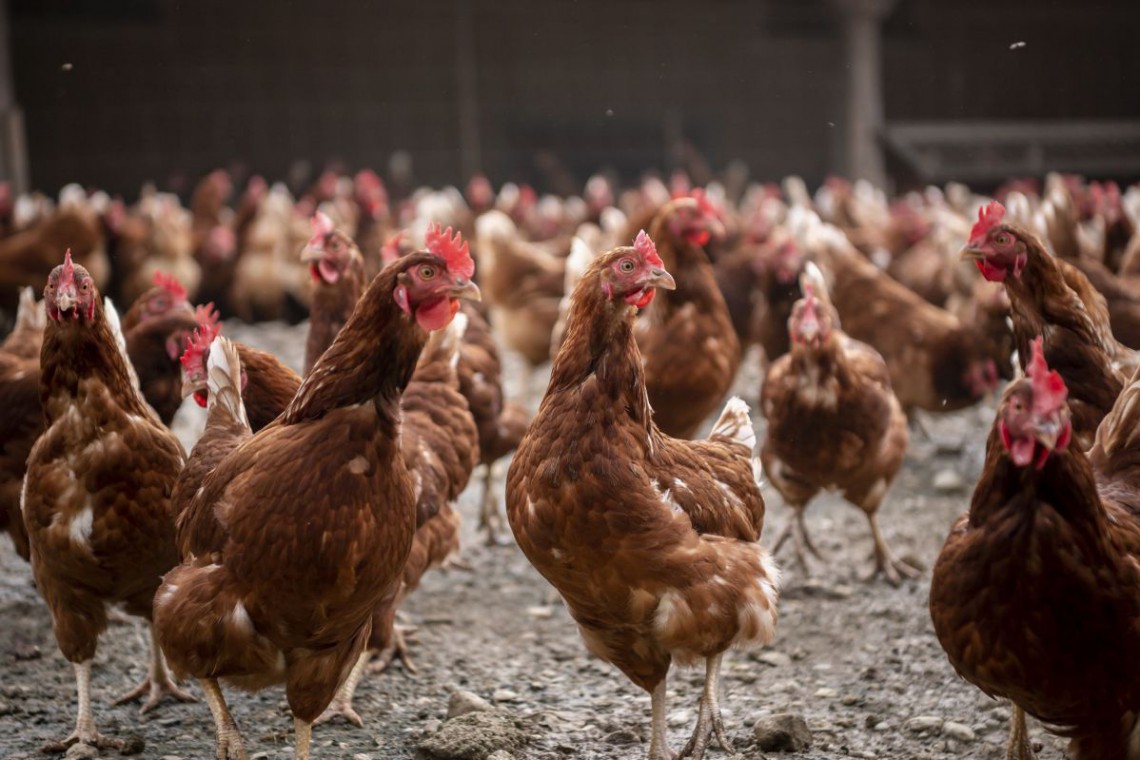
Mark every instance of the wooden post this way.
pixel 467 90
pixel 862 147
pixel 13 147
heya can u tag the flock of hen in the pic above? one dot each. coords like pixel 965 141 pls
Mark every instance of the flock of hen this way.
pixel 281 547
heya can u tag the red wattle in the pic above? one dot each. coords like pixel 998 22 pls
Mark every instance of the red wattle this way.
pixel 437 314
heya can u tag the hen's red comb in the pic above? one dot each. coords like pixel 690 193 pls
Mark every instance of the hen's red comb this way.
pixel 989 216
pixel 322 226
pixel 207 316
pixel 1049 390
pixel 644 245
pixel 703 203
pixel 68 272
pixel 391 250
pixel 170 284
pixel 198 347
pixel 453 250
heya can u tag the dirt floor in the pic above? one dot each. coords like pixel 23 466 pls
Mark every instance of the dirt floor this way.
pixel 858 661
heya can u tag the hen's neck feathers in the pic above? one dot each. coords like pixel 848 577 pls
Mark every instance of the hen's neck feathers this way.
pixel 1065 483
pixel 599 342
pixel 371 360
pixel 690 267
pixel 77 349
pixel 332 306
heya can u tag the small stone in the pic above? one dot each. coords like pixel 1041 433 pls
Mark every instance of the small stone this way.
pixel 361 756
pixel 6 709
pixel 132 745
pixel 774 658
pixel 82 752
pixel 849 700
pixel 882 726
pixel 680 718
pixel 462 702
pixel 475 736
pixel 959 731
pixel 827 693
pixel 540 613
pixel 431 726
pixel 501 754
pixel 504 695
pixel 176 757
pixel 924 724
pixel 948 481
pixel 783 732
pixel 623 736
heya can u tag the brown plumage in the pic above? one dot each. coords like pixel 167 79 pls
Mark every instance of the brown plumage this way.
pixel 652 541
pixel 270 385
pixel 1050 529
pixel 97 490
pixel 440 445
pixel 318 512
pixel 935 362
pixel 338 280
pixel 1051 298
pixel 691 351
pixel 833 423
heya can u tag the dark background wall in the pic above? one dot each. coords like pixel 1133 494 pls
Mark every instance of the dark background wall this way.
pixel 158 89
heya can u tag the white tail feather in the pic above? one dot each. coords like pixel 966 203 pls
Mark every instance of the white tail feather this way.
pixel 735 424
pixel 223 379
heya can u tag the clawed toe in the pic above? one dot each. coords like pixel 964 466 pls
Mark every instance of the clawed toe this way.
pixel 155 691
pixel 340 712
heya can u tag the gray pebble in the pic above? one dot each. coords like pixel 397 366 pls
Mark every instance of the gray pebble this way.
pixel 783 732
pixel 462 702
pixel 924 724
pixel 959 731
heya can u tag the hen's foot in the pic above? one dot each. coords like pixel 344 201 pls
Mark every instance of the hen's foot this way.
pixel 83 735
pixel 1019 747
pixel 490 518
pixel 893 568
pixel 155 690
pixel 796 529
pixel 340 709
pixel 709 724
pixel 397 650
pixel 228 746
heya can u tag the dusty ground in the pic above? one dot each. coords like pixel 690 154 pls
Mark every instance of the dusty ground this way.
pixel 856 660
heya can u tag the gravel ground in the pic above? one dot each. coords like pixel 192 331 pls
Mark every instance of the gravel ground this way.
pixel 858 661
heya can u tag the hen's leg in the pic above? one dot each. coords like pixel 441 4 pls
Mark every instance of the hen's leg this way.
pixel 489 518
pixel 659 740
pixel 796 529
pixel 885 560
pixel 85 732
pixel 158 683
pixel 397 650
pixel 342 703
pixel 228 744
pixel 709 721
pixel 304 731
pixel 1019 747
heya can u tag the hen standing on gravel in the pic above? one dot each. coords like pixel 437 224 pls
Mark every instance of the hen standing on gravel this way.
pixel 97 494
pixel 653 542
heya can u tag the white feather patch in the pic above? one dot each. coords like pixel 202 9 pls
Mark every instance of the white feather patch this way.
pixel 735 424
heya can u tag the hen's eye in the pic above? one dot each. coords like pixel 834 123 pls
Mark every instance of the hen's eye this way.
pixel 626 266
pixel 427 272
pixel 86 285
pixel 1002 239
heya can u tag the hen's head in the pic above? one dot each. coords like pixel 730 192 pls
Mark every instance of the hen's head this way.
pixel 694 219
pixel 329 252
pixel 70 292
pixel 1033 417
pixel 997 248
pixel 813 320
pixel 784 259
pixel 194 371
pixel 431 282
pixel 632 274
pixel 166 296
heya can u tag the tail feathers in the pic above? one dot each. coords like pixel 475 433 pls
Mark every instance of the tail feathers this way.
pixel 1120 429
pixel 223 379
pixel 735 425
pixel 111 314
pixel 30 313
